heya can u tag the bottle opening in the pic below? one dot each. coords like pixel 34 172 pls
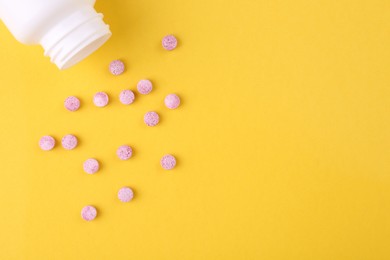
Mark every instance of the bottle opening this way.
pixel 84 51
pixel 76 37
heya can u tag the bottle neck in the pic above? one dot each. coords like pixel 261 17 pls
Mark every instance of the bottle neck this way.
pixel 75 37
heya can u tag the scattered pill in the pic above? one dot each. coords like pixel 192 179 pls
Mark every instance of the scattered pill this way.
pixel 89 213
pixel 126 97
pixel 144 86
pixel 100 99
pixel 117 67
pixel 151 118
pixel 47 143
pixel 72 103
pixel 172 101
pixel 168 162
pixel 169 42
pixel 124 152
pixel 91 166
pixel 125 194
pixel 69 142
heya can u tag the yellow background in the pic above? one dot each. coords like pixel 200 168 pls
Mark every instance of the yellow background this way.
pixel 282 139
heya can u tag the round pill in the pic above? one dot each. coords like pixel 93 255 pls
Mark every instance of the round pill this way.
pixel 144 86
pixel 89 213
pixel 125 194
pixel 69 142
pixel 91 166
pixel 151 118
pixel 169 42
pixel 126 97
pixel 72 103
pixel 172 101
pixel 168 162
pixel 47 143
pixel 100 99
pixel 124 152
pixel 117 67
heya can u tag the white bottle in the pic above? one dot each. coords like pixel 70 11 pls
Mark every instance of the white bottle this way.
pixel 68 30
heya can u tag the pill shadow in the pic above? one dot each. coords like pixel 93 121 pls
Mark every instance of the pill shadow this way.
pixel 178 162
pixel 160 119
pixel 183 101
pixel 133 152
pixel 154 85
pixel 83 104
pixel 99 211
pixel 80 143
pixel 135 194
pixel 136 95
pixel 101 165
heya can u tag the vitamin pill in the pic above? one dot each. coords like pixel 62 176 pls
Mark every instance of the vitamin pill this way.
pixel 100 99
pixel 117 67
pixel 151 118
pixel 69 142
pixel 125 194
pixel 47 143
pixel 89 213
pixel 124 152
pixel 168 162
pixel 72 103
pixel 172 101
pixel 126 97
pixel 91 166
pixel 144 86
pixel 169 42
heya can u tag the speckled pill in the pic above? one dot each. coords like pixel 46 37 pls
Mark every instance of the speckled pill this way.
pixel 117 67
pixel 151 118
pixel 72 103
pixel 126 97
pixel 91 166
pixel 100 99
pixel 124 152
pixel 47 143
pixel 169 42
pixel 168 162
pixel 89 213
pixel 125 194
pixel 69 142
pixel 144 86
pixel 172 101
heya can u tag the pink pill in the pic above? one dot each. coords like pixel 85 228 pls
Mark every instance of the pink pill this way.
pixel 69 142
pixel 172 101
pixel 89 213
pixel 100 99
pixel 144 86
pixel 124 152
pixel 117 67
pixel 47 143
pixel 151 118
pixel 72 103
pixel 168 162
pixel 169 42
pixel 125 194
pixel 126 97
pixel 91 166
